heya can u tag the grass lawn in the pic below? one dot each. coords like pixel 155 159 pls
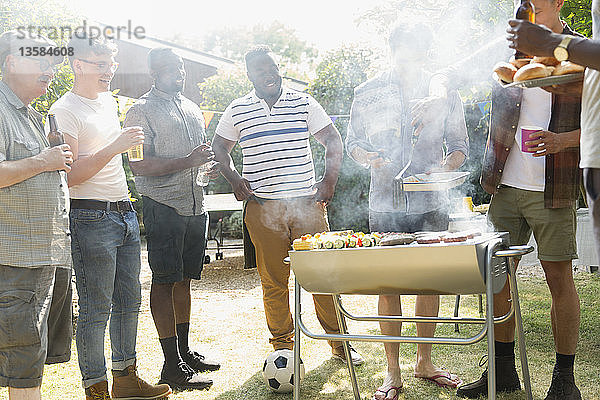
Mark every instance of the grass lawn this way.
pixel 228 324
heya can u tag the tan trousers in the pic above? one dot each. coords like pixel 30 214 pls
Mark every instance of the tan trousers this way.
pixel 272 226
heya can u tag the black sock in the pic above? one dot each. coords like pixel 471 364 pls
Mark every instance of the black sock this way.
pixel 504 349
pixel 169 347
pixel 565 361
pixel 183 331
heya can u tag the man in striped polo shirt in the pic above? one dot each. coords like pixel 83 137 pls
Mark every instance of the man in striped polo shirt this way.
pixel 273 125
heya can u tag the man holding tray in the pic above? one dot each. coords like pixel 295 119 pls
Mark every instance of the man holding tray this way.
pixel 381 136
pixel 535 186
pixel 542 41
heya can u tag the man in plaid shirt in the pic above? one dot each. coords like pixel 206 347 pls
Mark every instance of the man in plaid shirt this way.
pixel 35 259
pixel 536 191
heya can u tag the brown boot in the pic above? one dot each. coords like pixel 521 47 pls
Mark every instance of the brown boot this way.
pixel 99 391
pixel 127 385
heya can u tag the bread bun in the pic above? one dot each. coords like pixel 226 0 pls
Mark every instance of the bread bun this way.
pixel 532 71
pixel 550 61
pixel 520 62
pixel 567 67
pixel 505 71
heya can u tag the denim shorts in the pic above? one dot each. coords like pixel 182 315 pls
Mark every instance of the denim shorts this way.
pixel 25 297
pixel 176 243
pixel 60 319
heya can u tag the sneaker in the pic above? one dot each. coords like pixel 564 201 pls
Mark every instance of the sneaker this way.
pixel 507 379
pixel 199 363
pixel 127 385
pixel 183 377
pixel 98 391
pixel 563 386
pixel 339 354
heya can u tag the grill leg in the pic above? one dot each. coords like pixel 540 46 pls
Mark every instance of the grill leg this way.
pixel 297 314
pixel 344 331
pixel 480 305
pixel 514 295
pixel 456 305
pixel 490 332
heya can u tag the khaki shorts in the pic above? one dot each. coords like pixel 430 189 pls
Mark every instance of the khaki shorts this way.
pixel 521 212
pixel 25 298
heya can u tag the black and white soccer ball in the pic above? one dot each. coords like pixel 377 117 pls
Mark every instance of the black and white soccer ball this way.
pixel 278 371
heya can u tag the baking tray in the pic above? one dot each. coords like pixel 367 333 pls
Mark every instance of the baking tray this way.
pixel 541 82
pixel 440 268
pixel 435 181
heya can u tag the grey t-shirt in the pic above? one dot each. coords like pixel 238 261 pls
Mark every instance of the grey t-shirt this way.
pixel 380 119
pixel 173 126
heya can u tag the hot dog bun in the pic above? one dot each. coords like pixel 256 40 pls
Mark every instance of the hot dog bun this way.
pixel 550 61
pixel 532 71
pixel 567 67
pixel 505 71
pixel 520 62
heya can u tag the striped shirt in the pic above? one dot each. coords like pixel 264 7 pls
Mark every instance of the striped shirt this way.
pixel 277 160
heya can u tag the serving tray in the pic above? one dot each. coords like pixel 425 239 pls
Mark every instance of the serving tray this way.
pixel 541 82
pixel 434 181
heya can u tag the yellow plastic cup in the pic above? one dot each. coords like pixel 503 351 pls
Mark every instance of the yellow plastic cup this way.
pixel 468 203
pixel 136 153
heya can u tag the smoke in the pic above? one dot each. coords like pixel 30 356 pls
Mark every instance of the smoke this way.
pixel 468 35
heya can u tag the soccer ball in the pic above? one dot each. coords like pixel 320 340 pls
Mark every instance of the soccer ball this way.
pixel 278 371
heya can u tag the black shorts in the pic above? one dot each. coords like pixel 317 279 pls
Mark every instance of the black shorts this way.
pixel 176 243
pixel 434 221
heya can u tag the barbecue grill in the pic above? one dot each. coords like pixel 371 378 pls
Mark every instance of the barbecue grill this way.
pixel 476 266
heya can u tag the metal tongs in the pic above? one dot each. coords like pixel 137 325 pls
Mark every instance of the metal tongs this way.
pixel 400 201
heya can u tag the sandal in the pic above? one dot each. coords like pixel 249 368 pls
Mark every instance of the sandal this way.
pixel 453 379
pixel 398 389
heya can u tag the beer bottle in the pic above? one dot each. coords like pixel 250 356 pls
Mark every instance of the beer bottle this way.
pixel 526 11
pixel 55 138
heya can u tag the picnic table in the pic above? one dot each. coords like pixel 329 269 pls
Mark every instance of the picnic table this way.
pixel 217 206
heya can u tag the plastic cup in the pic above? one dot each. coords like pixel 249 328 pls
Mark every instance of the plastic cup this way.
pixel 136 153
pixel 468 204
pixel 526 132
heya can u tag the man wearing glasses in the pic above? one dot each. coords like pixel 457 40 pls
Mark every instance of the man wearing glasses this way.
pixel 34 232
pixel 106 237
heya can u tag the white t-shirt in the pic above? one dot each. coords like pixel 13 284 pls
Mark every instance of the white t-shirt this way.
pixel 95 124
pixel 276 154
pixel 590 106
pixel 523 170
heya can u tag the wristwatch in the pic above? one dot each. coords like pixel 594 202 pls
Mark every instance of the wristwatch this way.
pixel 560 51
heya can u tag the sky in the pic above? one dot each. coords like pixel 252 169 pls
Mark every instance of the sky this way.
pixel 325 24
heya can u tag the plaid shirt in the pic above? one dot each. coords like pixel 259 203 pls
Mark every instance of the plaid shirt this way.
pixel 173 126
pixel 34 214
pixel 562 169
pixel 380 119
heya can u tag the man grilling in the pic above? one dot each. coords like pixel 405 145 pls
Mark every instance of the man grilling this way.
pixel 381 136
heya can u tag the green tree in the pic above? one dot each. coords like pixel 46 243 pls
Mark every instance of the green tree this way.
pixel 578 14
pixel 234 42
pixel 337 75
pixel 217 92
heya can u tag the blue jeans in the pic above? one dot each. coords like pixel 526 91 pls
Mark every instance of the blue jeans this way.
pixel 106 259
